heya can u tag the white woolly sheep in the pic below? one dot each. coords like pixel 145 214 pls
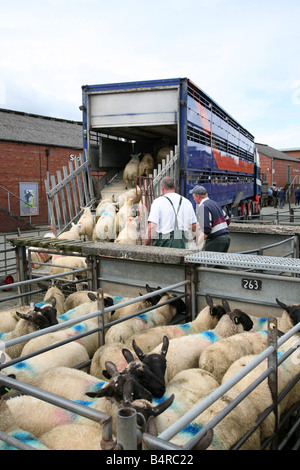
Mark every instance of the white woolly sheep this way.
pixel 217 357
pixel 137 306
pixel 131 170
pixel 289 318
pixel 35 319
pixel 81 436
pixel 68 355
pixel 105 228
pixel 134 194
pixel 81 297
pixel 39 417
pixel 90 342
pixel 69 383
pixel 184 352
pixel 207 319
pixel 9 318
pixel 67 263
pixel 127 210
pixel 146 165
pixel 129 234
pixel 261 397
pixel 10 427
pixel 161 315
pixel 162 154
pixel 86 221
pixel 72 234
pixel 228 431
pixel 57 294
pixel 189 387
pixel 105 205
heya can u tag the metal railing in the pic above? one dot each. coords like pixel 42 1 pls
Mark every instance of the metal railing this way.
pixel 9 193
pixel 270 353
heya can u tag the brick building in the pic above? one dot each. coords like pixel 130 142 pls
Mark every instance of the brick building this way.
pixel 278 168
pixel 295 152
pixel 32 147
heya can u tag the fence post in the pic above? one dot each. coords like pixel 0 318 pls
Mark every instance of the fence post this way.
pixel 101 321
pixel 273 377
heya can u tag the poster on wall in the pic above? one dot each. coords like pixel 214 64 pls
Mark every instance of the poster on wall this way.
pixel 29 199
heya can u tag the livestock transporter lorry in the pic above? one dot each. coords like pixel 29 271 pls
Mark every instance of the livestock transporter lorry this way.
pixel 214 149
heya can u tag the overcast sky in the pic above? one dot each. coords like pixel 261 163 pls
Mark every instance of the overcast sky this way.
pixel 244 54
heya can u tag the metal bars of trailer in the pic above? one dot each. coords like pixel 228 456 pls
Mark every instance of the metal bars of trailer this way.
pixel 162 442
pixel 72 322
pixel 104 420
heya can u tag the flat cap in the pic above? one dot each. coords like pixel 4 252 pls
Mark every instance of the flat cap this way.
pixel 198 190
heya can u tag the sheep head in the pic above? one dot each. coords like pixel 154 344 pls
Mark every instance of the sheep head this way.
pixel 240 318
pixel 292 310
pixel 119 380
pixel 155 362
pixel 41 317
pixel 108 301
pixel 152 368
pixel 216 310
pixel 156 298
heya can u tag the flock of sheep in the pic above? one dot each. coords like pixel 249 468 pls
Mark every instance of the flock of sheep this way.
pixel 115 218
pixel 159 369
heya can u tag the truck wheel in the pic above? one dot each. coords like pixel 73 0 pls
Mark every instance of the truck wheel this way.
pixel 6 280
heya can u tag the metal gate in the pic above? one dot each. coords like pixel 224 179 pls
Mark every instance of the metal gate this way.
pixel 68 195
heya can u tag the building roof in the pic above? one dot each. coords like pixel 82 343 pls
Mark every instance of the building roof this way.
pixel 27 128
pixel 270 152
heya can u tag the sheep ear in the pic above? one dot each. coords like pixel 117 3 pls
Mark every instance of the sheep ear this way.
pixel 225 305
pixel 282 305
pixel 26 316
pixel 209 301
pixel 165 346
pixel 140 354
pixel 161 407
pixel 128 355
pixel 205 442
pixel 92 296
pixel 128 392
pixel 111 368
pixel 106 391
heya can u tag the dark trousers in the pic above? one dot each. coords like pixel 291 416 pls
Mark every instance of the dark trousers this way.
pixel 220 244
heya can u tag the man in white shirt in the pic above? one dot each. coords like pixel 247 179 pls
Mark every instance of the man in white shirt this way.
pixel 170 219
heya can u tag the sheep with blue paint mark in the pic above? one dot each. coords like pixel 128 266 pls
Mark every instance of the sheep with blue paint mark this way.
pixel 161 315
pixel 68 355
pixel 261 397
pixel 10 427
pixel 184 352
pixel 90 342
pixel 35 319
pixel 228 431
pixel 9 317
pixel 217 357
pixel 189 387
pixel 207 319
pixel 39 417
pixel 72 384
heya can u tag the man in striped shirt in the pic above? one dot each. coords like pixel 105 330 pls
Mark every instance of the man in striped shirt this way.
pixel 213 222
